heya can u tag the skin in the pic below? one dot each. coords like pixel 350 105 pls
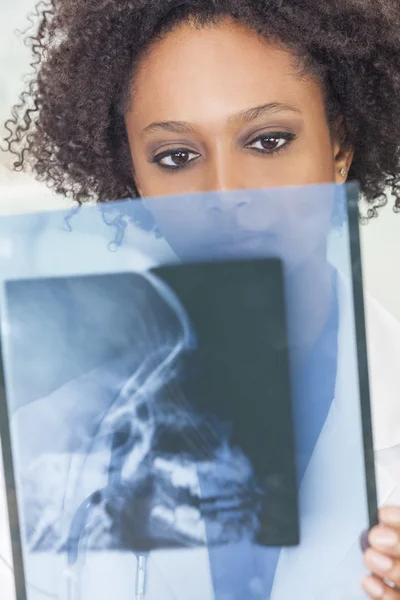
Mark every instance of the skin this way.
pixel 196 101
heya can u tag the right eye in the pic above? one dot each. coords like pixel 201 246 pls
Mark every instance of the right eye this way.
pixel 175 159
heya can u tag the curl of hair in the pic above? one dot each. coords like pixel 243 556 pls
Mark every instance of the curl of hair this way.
pixel 68 127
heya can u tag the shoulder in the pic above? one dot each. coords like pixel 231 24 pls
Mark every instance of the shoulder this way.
pixel 383 329
pixel 383 345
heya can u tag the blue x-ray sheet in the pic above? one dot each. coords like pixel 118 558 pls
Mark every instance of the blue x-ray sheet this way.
pixel 186 410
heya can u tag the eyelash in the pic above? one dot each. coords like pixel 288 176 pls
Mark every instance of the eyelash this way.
pixel 276 135
pixel 158 158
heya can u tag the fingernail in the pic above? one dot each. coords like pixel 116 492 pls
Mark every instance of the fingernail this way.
pixel 384 538
pixel 364 541
pixel 373 587
pixel 380 562
pixel 390 514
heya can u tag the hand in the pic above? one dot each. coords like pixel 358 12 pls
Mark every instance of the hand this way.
pixel 382 557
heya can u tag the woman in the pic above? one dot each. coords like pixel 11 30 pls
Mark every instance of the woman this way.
pixel 152 98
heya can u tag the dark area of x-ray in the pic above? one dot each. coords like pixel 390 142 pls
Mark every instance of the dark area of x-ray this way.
pixel 200 440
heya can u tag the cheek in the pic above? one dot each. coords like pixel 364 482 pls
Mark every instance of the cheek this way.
pixel 148 183
pixel 311 163
pixel 316 156
pixel 294 169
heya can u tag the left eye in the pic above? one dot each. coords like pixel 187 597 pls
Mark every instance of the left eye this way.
pixel 270 143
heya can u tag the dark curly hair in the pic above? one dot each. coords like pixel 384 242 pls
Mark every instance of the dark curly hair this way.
pixel 69 126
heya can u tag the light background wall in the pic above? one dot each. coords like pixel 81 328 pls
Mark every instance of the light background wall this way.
pixel 18 193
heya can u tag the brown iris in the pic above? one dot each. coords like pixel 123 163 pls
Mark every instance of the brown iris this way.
pixel 269 143
pixel 180 157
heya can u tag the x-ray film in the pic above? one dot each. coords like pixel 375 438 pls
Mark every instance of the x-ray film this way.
pixel 185 412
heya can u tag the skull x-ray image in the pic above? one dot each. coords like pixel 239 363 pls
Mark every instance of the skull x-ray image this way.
pixel 152 410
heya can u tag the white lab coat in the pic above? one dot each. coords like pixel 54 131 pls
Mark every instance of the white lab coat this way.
pixel 185 574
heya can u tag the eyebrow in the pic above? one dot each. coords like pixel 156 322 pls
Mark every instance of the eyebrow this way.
pixel 246 116
pixel 240 118
pixel 171 126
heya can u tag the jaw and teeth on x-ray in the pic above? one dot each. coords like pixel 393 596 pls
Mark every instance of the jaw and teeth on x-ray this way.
pixel 172 476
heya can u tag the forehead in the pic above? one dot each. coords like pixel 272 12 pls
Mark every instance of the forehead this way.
pixel 212 70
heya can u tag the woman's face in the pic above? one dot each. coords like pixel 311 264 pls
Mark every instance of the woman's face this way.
pixel 220 108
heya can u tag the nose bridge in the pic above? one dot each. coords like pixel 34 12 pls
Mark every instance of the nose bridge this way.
pixel 224 176
pixel 224 170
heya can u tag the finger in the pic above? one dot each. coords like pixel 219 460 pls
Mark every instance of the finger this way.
pixel 385 540
pixel 375 588
pixel 383 566
pixel 390 515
